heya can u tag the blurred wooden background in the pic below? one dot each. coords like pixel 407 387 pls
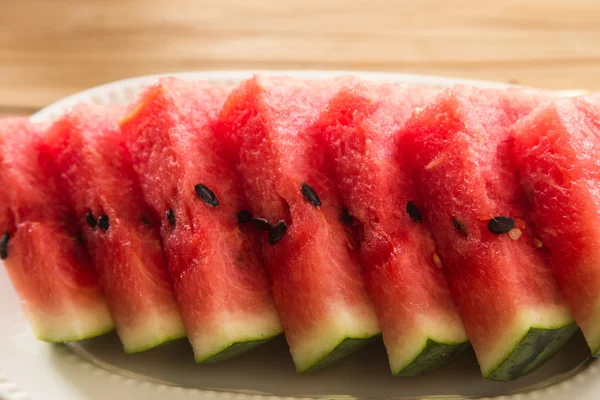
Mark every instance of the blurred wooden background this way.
pixel 52 48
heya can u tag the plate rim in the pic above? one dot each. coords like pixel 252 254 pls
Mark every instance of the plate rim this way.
pixel 10 391
pixel 239 74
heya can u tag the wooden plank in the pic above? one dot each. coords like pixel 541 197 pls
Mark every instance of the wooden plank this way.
pixel 51 49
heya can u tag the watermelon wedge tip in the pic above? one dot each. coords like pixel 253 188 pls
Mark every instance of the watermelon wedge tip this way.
pixel 47 264
pixel 420 324
pixel 87 150
pixel 460 147
pixel 316 280
pixel 557 151
pixel 219 280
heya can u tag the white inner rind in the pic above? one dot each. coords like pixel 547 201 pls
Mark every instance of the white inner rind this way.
pixel 552 317
pixel 157 329
pixel 405 349
pixel 343 323
pixel 591 330
pixel 75 324
pixel 227 329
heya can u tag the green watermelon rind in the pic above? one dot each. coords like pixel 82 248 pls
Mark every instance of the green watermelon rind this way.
pixel 346 346
pixel 432 356
pixel 234 349
pixel 534 348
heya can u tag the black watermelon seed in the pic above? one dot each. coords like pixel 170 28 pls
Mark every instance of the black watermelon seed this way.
pixel 145 220
pixel 103 222
pixel 206 195
pixel 89 217
pixel 347 218
pixel 277 232
pixel 244 217
pixel 499 225
pixel 261 224
pixel 4 245
pixel 171 216
pixel 413 212
pixel 309 194
pixel 459 226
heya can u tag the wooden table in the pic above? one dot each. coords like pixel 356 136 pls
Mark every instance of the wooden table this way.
pixel 51 48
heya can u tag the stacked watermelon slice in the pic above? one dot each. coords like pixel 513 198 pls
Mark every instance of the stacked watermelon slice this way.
pixel 327 210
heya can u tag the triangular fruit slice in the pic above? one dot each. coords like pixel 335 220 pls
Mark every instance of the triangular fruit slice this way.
pixel 557 151
pixel 317 282
pixel 42 251
pixel 88 151
pixel 220 282
pixel 512 309
pixel 419 321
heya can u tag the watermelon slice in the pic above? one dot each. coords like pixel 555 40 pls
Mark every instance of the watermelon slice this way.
pixel 512 309
pixel 220 283
pixel 316 280
pixel 88 150
pixel 419 321
pixel 557 150
pixel 48 266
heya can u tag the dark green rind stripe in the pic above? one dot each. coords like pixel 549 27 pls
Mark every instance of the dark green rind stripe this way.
pixel 234 349
pixel 537 346
pixel 433 356
pixel 161 342
pixel 345 347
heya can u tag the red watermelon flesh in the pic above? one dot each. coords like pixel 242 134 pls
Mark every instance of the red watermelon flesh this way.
pixel 510 304
pixel 557 150
pixel 48 266
pixel 219 280
pixel 316 280
pixel 420 324
pixel 88 151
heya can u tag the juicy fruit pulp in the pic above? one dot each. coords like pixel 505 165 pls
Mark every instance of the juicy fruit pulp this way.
pixel 219 281
pixel 420 324
pixel 316 280
pixel 47 265
pixel 511 307
pixel 557 151
pixel 88 151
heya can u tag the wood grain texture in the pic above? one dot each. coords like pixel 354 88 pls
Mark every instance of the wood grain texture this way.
pixel 49 49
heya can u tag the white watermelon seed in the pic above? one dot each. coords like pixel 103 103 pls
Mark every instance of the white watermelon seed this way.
pixel 437 260
pixel 537 243
pixel 514 233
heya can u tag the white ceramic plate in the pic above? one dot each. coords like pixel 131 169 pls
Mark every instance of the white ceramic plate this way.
pixel 97 369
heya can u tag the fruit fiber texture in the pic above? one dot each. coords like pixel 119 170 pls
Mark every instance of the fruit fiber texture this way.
pixel 219 280
pixel 49 268
pixel 420 324
pixel 317 282
pixel 88 151
pixel 557 151
pixel 461 150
